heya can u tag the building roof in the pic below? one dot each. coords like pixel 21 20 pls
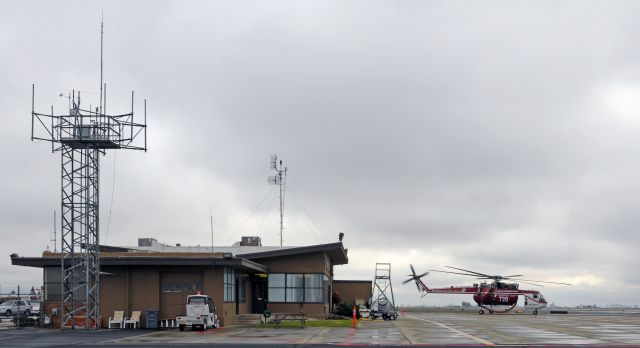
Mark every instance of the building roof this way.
pixel 149 259
pixel 240 257
pixel 336 252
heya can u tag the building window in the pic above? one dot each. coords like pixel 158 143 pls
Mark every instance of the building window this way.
pixel 229 285
pixel 295 288
pixel 298 287
pixel 313 290
pixel 276 282
pixel 242 288
pixel 188 282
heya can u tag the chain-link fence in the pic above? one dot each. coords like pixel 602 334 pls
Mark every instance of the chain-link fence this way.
pixel 20 306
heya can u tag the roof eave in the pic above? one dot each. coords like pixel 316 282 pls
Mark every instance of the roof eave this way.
pixel 236 262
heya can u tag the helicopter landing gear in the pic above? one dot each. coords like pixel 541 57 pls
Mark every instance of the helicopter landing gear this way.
pixel 535 312
pixel 490 312
pixel 481 311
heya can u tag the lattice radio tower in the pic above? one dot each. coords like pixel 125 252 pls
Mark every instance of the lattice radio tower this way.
pixel 81 136
pixel 279 179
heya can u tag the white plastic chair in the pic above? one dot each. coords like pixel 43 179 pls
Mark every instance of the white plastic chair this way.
pixel 135 320
pixel 118 318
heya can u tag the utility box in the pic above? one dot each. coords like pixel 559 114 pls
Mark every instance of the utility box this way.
pixel 152 316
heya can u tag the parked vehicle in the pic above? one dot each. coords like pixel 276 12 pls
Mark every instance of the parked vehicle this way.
pixel 201 312
pixel 35 307
pixel 383 309
pixel 12 307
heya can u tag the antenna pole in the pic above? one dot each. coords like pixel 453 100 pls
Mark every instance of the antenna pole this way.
pixel 33 93
pixel 55 239
pixel 211 210
pixel 101 65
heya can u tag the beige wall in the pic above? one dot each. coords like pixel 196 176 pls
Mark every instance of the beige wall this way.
pixel 138 288
pixel 309 263
pixel 113 292
pixel 144 290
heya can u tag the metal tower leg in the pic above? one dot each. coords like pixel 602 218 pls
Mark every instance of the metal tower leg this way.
pixel 80 269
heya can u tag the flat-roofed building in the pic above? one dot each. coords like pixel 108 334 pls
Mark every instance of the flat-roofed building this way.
pixel 244 278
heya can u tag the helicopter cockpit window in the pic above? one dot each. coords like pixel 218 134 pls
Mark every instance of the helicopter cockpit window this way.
pixel 535 295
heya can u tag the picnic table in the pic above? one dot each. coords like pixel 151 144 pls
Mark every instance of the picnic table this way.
pixel 279 317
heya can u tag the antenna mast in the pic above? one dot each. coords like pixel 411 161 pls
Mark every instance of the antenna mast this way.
pixel 55 239
pixel 279 179
pixel 211 230
pixel 81 136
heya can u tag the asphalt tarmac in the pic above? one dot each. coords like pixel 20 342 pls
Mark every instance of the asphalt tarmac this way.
pixel 425 329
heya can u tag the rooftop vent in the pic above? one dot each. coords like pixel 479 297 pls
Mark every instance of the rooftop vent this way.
pixel 147 242
pixel 251 241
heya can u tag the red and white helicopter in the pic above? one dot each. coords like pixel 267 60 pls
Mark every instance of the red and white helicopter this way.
pixel 494 297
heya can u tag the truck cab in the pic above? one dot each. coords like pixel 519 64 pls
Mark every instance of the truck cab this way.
pixel 201 313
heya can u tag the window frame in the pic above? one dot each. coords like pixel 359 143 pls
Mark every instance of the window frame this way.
pixel 229 285
pixel 288 289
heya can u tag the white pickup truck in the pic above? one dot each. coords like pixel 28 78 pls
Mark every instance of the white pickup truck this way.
pixel 201 312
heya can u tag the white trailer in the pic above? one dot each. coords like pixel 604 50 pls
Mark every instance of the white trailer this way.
pixel 201 313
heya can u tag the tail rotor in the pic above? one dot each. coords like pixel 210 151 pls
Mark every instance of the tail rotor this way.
pixel 415 277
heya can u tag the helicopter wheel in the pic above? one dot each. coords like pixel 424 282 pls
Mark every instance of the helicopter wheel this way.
pixel 481 312
pixel 535 312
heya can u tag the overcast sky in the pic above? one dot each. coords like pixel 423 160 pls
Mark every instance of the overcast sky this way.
pixel 497 136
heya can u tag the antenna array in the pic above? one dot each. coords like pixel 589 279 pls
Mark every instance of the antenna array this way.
pixel 279 179
pixel 81 135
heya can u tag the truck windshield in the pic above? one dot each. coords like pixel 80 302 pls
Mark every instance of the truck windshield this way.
pixel 197 300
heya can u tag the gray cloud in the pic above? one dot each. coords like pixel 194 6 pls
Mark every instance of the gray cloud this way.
pixel 488 134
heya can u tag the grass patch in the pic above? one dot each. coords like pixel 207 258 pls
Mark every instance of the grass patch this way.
pixel 313 323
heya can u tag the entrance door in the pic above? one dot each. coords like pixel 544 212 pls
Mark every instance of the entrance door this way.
pixel 258 295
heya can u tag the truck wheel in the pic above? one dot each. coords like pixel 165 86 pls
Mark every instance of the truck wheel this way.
pixel 8 313
pixel 27 312
pixel 205 326
pixel 181 327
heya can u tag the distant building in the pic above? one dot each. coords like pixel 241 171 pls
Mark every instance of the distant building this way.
pixel 353 292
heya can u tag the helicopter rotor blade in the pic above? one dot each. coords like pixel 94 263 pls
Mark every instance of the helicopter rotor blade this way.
pixel 515 275
pixel 542 281
pixel 435 270
pixel 472 272
pixel 422 275
pixel 519 281
pixel 406 281
pixel 413 271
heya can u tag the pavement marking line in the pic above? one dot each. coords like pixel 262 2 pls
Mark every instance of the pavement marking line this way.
pixel 477 339
pixel 128 337
pixel 402 333
pixel 315 334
